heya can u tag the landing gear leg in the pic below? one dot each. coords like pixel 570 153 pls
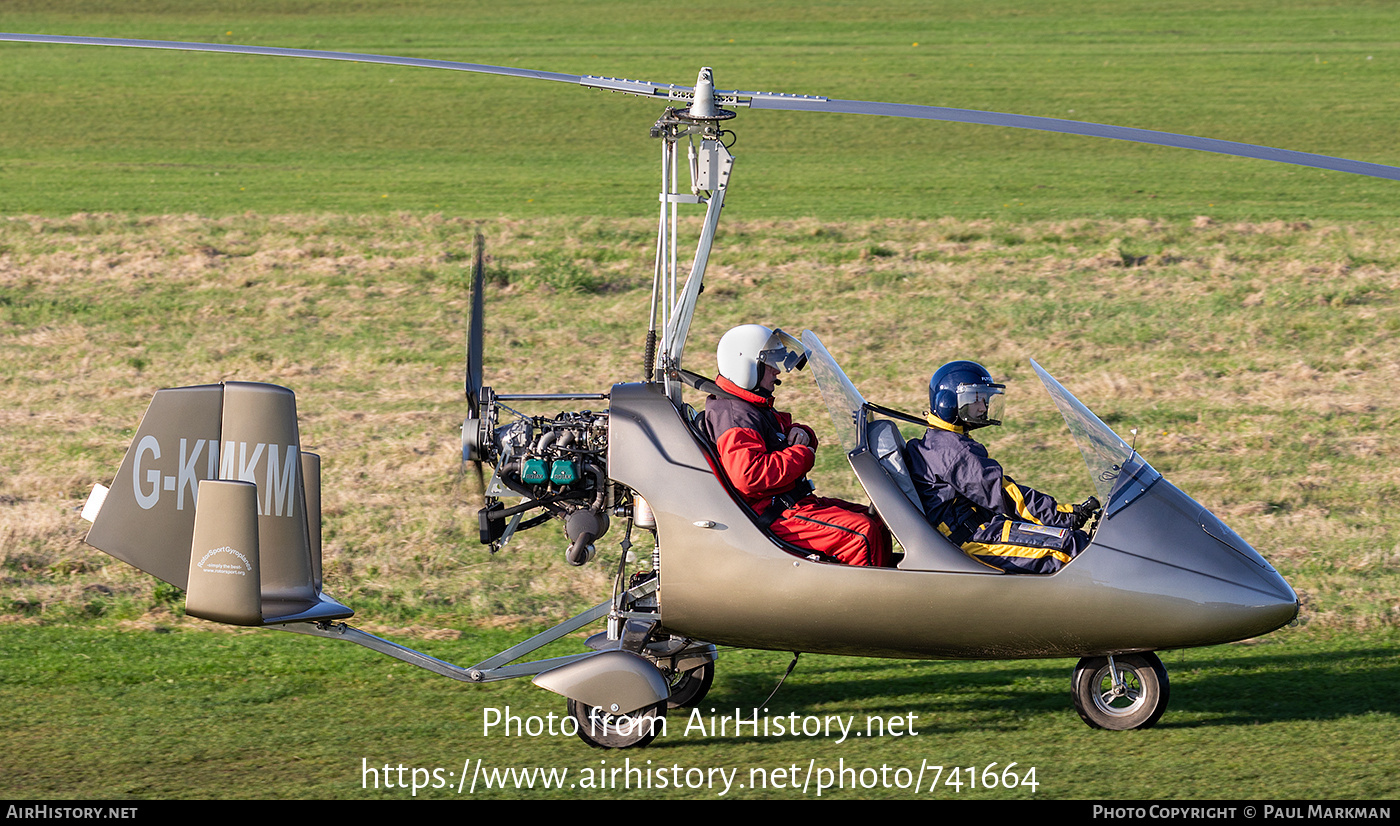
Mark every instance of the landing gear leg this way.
pixel 1121 693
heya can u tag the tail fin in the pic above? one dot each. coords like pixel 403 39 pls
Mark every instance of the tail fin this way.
pixel 237 442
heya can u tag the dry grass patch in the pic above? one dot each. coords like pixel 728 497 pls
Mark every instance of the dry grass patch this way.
pixel 1257 361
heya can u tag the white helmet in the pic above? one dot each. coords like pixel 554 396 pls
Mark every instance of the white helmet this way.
pixel 745 347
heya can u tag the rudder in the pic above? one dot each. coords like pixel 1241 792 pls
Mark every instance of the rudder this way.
pixel 189 438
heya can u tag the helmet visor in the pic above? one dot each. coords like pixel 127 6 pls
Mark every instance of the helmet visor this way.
pixel 981 404
pixel 789 355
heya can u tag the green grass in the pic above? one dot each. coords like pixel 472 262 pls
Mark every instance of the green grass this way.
pixel 92 129
pixel 141 715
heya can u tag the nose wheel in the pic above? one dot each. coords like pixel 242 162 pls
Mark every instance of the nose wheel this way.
pixel 1121 693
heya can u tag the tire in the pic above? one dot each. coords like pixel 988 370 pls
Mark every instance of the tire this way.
pixel 602 730
pixel 690 687
pixel 1139 706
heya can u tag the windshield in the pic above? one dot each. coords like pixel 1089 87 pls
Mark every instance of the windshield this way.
pixel 1111 461
pixel 1114 466
pixel 842 399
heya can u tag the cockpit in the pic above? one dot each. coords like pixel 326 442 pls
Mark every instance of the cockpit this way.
pixel 871 438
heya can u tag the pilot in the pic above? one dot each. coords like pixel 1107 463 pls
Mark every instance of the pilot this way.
pixel 967 496
pixel 766 457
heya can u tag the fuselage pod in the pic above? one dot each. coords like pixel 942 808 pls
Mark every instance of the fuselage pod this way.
pixel 1162 572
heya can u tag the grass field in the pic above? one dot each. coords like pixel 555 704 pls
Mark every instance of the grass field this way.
pixel 264 715
pixel 91 129
pixel 173 219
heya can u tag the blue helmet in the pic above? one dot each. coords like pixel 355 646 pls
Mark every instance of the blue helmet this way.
pixel 963 393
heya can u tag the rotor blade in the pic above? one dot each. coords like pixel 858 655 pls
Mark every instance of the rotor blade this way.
pixel 640 88
pixel 475 333
pixel 1071 127
pixel 278 52
pixel 777 101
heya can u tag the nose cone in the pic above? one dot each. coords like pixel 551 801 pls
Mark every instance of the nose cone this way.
pixel 1210 585
pixel 1258 600
pixel 1268 581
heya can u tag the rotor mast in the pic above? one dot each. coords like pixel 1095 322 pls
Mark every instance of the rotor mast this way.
pixel 709 164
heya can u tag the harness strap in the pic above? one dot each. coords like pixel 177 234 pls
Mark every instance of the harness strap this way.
pixel 783 502
pixel 962 532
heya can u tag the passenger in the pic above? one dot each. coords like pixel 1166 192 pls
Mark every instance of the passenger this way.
pixel 766 457
pixel 968 498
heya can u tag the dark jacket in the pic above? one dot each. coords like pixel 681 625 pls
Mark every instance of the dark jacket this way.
pixel 962 488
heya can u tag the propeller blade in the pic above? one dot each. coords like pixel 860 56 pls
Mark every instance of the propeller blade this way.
pixel 480 477
pixel 1070 127
pixel 479 473
pixel 475 333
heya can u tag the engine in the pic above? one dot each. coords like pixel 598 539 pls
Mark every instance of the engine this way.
pixel 558 464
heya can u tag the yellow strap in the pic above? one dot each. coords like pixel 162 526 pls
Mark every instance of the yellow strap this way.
pixel 934 421
pixel 977 549
pixel 1014 491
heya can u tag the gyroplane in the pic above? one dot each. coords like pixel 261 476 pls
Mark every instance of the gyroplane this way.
pixel 216 496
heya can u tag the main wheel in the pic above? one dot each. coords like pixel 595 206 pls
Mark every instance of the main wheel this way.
pixel 690 687
pixel 1136 702
pixel 603 730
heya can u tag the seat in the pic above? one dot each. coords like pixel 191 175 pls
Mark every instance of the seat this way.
pixel 887 443
pixel 881 467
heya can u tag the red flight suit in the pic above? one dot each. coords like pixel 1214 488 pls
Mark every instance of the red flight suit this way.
pixel 751 438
